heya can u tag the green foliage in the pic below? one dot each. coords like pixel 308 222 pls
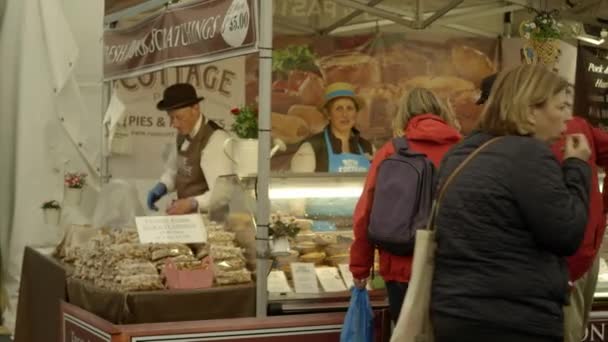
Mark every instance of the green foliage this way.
pixel 245 125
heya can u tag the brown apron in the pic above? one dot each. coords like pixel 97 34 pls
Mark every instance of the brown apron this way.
pixel 190 180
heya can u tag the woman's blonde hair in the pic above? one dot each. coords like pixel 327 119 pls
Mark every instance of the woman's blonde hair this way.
pixel 515 93
pixel 422 101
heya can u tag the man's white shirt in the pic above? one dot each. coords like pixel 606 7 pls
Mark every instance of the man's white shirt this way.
pixel 214 163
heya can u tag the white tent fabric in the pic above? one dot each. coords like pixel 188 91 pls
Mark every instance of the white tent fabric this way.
pixel 60 45
pixel 34 63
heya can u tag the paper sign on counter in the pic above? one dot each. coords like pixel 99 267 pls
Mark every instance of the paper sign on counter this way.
pixel 277 282
pixel 346 275
pixel 304 277
pixel 171 229
pixel 330 279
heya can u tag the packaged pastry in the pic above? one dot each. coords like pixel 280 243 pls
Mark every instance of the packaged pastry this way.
pixel 221 237
pixel 141 282
pixel 306 247
pixel 337 248
pixel 232 277
pixel 230 264
pixel 324 239
pixel 130 267
pixel 223 252
pixel 338 259
pixel 304 237
pixel 160 251
pixel 314 257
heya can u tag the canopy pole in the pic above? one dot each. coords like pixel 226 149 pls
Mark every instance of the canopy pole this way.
pixel 264 126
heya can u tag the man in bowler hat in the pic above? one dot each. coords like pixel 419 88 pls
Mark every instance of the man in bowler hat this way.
pixel 198 157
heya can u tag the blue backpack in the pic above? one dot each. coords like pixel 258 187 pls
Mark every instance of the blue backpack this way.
pixel 402 201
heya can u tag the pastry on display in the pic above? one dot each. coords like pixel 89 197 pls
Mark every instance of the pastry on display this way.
pixel 114 259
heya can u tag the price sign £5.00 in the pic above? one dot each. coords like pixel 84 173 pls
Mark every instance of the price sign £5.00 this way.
pixel 236 23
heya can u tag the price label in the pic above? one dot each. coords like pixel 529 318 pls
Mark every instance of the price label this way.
pixel 346 275
pixel 277 282
pixel 236 23
pixel 304 277
pixel 330 279
pixel 171 229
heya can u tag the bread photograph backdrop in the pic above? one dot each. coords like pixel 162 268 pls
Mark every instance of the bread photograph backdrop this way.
pixel 383 67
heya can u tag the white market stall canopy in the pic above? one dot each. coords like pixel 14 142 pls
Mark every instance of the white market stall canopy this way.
pixel 474 17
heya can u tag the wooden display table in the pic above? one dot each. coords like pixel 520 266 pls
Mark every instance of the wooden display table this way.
pixel 78 325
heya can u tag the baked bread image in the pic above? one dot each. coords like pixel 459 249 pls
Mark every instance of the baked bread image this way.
pixel 472 64
pixel 355 68
pixel 314 118
pixel 289 128
pixel 381 104
pixel 396 64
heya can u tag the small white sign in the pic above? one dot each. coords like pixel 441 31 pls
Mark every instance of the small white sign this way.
pixel 277 282
pixel 171 229
pixel 346 275
pixel 304 277
pixel 330 279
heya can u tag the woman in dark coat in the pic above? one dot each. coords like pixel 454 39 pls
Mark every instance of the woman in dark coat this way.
pixel 512 215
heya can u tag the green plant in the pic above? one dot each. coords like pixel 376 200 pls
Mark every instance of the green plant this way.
pixel 293 57
pixel 51 205
pixel 245 124
pixel 545 26
pixel 283 226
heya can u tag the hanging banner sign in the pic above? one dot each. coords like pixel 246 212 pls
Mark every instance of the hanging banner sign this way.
pixel 195 33
pixel 591 91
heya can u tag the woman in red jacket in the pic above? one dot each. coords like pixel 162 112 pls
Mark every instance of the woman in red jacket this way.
pixel 430 128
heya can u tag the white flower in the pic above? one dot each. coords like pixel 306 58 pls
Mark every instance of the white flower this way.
pixel 532 25
pixel 527 36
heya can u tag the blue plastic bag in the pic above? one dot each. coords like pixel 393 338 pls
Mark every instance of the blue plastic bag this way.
pixel 359 321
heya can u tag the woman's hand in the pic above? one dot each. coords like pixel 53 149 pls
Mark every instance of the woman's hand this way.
pixel 577 146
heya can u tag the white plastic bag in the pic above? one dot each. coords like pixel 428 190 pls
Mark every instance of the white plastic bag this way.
pixel 118 205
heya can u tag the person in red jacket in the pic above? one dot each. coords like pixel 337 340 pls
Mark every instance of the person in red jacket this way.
pixel 430 127
pixel 583 266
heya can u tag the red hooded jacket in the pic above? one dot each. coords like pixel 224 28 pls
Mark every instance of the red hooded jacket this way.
pixel 426 133
pixel 581 261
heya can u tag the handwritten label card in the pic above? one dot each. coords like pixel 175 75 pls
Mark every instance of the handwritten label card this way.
pixel 346 275
pixel 171 229
pixel 277 282
pixel 304 277
pixel 330 279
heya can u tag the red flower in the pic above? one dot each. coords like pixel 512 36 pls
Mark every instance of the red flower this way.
pixel 235 111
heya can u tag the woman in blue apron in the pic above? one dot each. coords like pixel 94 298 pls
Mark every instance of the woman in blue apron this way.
pixel 339 148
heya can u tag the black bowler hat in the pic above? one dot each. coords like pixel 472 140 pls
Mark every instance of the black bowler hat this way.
pixel 486 88
pixel 178 96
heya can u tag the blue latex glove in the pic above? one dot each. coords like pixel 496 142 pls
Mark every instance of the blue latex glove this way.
pixel 155 194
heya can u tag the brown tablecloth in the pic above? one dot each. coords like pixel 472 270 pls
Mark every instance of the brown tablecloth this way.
pixel 45 281
pixel 42 286
pixel 163 306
